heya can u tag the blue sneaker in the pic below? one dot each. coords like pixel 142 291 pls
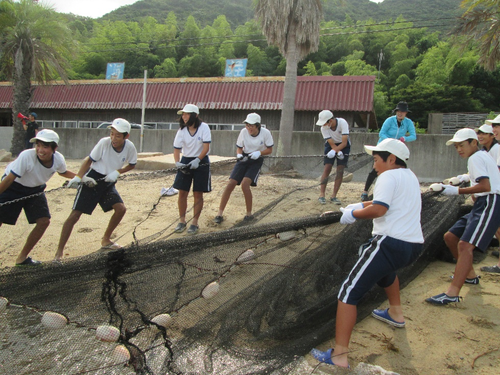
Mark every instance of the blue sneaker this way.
pixel 442 299
pixel 335 201
pixel 384 316
pixel 322 200
pixel 324 357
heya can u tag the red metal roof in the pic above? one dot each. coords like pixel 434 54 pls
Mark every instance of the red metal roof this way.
pixel 337 93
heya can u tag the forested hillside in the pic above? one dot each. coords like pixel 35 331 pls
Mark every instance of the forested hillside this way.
pixel 405 43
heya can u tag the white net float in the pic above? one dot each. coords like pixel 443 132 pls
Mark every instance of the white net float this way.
pixel 4 302
pixel 121 354
pixel 163 320
pixel 210 290
pixel 246 256
pixel 54 320
pixel 107 333
pixel 285 236
pixel 436 187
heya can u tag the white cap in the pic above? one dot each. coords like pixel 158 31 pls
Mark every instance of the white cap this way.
pixel 121 125
pixel 462 135
pixel 189 108
pixel 391 145
pixel 495 121
pixel 324 116
pixel 46 135
pixel 252 118
pixel 488 129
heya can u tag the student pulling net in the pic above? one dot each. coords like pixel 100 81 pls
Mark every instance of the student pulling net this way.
pixel 249 299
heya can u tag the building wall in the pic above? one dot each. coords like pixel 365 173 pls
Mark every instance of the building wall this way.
pixel 430 159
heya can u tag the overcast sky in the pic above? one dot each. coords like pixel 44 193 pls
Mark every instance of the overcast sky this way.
pixel 94 8
pixel 88 8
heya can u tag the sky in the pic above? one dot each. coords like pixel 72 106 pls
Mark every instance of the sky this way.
pixel 94 8
pixel 88 8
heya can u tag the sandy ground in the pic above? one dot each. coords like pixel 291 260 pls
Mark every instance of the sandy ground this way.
pixel 459 339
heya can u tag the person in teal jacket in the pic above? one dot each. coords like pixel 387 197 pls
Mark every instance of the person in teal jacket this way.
pixel 398 127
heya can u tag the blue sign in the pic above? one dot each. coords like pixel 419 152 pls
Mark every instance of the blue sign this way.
pixel 115 70
pixel 236 67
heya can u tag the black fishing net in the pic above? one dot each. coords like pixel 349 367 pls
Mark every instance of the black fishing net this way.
pixel 251 299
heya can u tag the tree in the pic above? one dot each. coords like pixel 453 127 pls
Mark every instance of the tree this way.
pixel 480 25
pixel 34 44
pixel 292 26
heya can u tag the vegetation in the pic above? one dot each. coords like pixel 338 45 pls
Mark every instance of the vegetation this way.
pixel 407 44
pixel 34 44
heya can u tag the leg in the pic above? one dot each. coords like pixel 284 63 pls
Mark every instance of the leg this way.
pixel 463 268
pixel 119 211
pixel 247 193
pixel 453 243
pixel 346 319
pixel 182 204
pixel 35 235
pixel 198 206
pixel 225 195
pixel 395 309
pixel 324 179
pixel 338 180
pixel 369 180
pixel 67 228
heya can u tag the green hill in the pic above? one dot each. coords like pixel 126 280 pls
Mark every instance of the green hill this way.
pixel 238 12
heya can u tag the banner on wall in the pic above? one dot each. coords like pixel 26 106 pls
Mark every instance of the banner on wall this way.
pixel 236 67
pixel 115 70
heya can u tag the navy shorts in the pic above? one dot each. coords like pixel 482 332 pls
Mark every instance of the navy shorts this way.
pixel 199 177
pixel 249 168
pixel 104 194
pixel 331 161
pixel 479 226
pixel 34 208
pixel 377 264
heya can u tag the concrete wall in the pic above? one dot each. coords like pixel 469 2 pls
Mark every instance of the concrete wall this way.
pixel 430 159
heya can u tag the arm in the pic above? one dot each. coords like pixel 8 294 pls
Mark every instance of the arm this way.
pixel 204 151
pixel 6 182
pixel 267 151
pixel 371 211
pixel 67 174
pixel 87 162
pixel 482 186
pixel 411 131
pixel 384 132
pixel 127 168
pixel 177 155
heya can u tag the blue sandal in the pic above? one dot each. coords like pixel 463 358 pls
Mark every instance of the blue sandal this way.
pixel 325 357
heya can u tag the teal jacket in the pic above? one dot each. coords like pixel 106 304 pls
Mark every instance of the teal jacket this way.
pixel 390 129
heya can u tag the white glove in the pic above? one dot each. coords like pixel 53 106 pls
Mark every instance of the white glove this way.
pixel 180 165
pixel 347 217
pixel 355 206
pixel 239 156
pixel 89 181
pixel 74 182
pixel 195 163
pixel 254 155
pixel 463 178
pixel 331 154
pixel 449 190
pixel 112 177
pixel 340 155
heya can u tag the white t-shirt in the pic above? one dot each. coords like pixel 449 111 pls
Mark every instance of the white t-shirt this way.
pixel 250 143
pixel 192 145
pixel 495 153
pixel 336 135
pixel 482 165
pixel 105 159
pixel 399 191
pixel 30 171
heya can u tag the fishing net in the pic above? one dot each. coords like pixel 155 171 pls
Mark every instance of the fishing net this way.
pixel 250 299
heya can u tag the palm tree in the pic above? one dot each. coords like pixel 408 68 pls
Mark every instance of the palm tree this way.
pixel 480 24
pixel 293 27
pixel 34 45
